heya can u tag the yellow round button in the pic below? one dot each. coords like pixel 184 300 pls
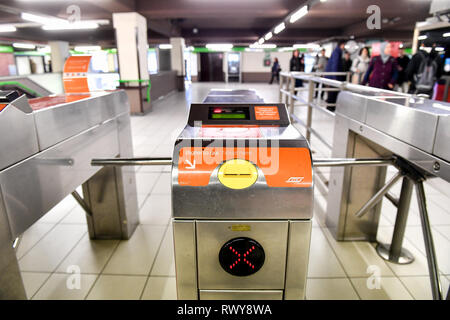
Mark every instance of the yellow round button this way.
pixel 237 174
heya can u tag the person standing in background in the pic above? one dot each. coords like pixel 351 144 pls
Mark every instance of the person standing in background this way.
pixel 424 70
pixel 347 62
pixel 383 71
pixel 402 62
pixel 319 66
pixel 321 62
pixel 297 63
pixel 360 65
pixel 335 65
pixel 275 71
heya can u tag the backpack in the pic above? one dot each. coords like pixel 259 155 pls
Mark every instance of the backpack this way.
pixel 426 75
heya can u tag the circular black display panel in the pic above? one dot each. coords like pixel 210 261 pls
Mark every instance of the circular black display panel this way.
pixel 241 256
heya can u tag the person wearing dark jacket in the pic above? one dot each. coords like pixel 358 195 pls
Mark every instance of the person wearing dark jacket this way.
pixel 402 63
pixel 383 70
pixel 275 71
pixel 414 65
pixel 335 65
pixel 347 62
pixel 297 63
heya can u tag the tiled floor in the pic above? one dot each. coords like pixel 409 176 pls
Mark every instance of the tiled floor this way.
pixel 143 267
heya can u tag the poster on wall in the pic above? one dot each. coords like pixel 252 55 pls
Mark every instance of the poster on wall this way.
pixel 267 60
pixel 395 47
pixel 7 65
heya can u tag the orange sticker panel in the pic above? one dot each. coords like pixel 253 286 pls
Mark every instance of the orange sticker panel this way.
pixel 76 85
pixel 282 167
pixel 2 106
pixel 75 74
pixel 77 64
pixel 266 113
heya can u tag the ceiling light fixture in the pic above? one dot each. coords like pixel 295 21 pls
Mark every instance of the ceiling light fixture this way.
pixel 165 46
pixel 80 25
pixel 87 48
pixel 268 36
pixel 298 14
pixel 219 46
pixel 422 37
pixel 53 23
pixel 7 28
pixel 263 46
pixel 307 46
pixel 23 45
pixel 41 19
pixel 446 35
pixel 279 28
pixel 261 41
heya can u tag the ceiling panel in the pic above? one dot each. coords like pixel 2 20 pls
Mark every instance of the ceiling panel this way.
pixel 237 21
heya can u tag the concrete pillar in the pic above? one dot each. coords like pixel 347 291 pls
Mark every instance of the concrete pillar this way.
pixel 132 51
pixel 415 41
pixel 177 60
pixel 59 54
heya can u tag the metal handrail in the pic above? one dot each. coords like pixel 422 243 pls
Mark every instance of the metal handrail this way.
pixel 333 85
pixel 316 82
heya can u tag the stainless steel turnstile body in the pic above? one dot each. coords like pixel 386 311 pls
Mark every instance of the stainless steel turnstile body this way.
pixel 416 129
pixel 47 145
pixel 267 222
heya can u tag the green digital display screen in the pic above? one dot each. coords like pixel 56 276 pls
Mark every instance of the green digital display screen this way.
pixel 228 116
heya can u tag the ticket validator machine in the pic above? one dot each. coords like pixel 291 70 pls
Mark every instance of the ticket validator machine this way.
pixel 242 200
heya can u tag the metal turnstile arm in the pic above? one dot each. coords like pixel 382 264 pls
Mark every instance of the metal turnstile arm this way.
pixel 331 162
pixel 346 162
pixel 379 195
pixel 132 162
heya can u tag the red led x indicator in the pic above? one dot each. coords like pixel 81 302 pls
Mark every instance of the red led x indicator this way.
pixel 241 256
pixel 235 263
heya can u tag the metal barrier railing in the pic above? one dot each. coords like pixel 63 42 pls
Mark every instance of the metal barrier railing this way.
pixel 394 252
pixel 289 94
pixel 316 83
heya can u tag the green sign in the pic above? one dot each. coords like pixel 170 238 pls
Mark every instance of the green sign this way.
pixel 30 53
pixel 6 49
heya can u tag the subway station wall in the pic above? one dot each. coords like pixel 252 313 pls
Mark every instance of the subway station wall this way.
pixel 253 68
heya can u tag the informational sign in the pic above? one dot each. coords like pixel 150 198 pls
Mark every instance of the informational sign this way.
pixel 267 61
pixel 267 113
pixel 75 74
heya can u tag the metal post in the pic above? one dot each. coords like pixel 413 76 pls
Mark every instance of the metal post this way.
pixel 281 88
pixel 394 251
pixel 429 245
pixel 291 96
pixel 379 195
pixel 309 109
pixel 319 94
